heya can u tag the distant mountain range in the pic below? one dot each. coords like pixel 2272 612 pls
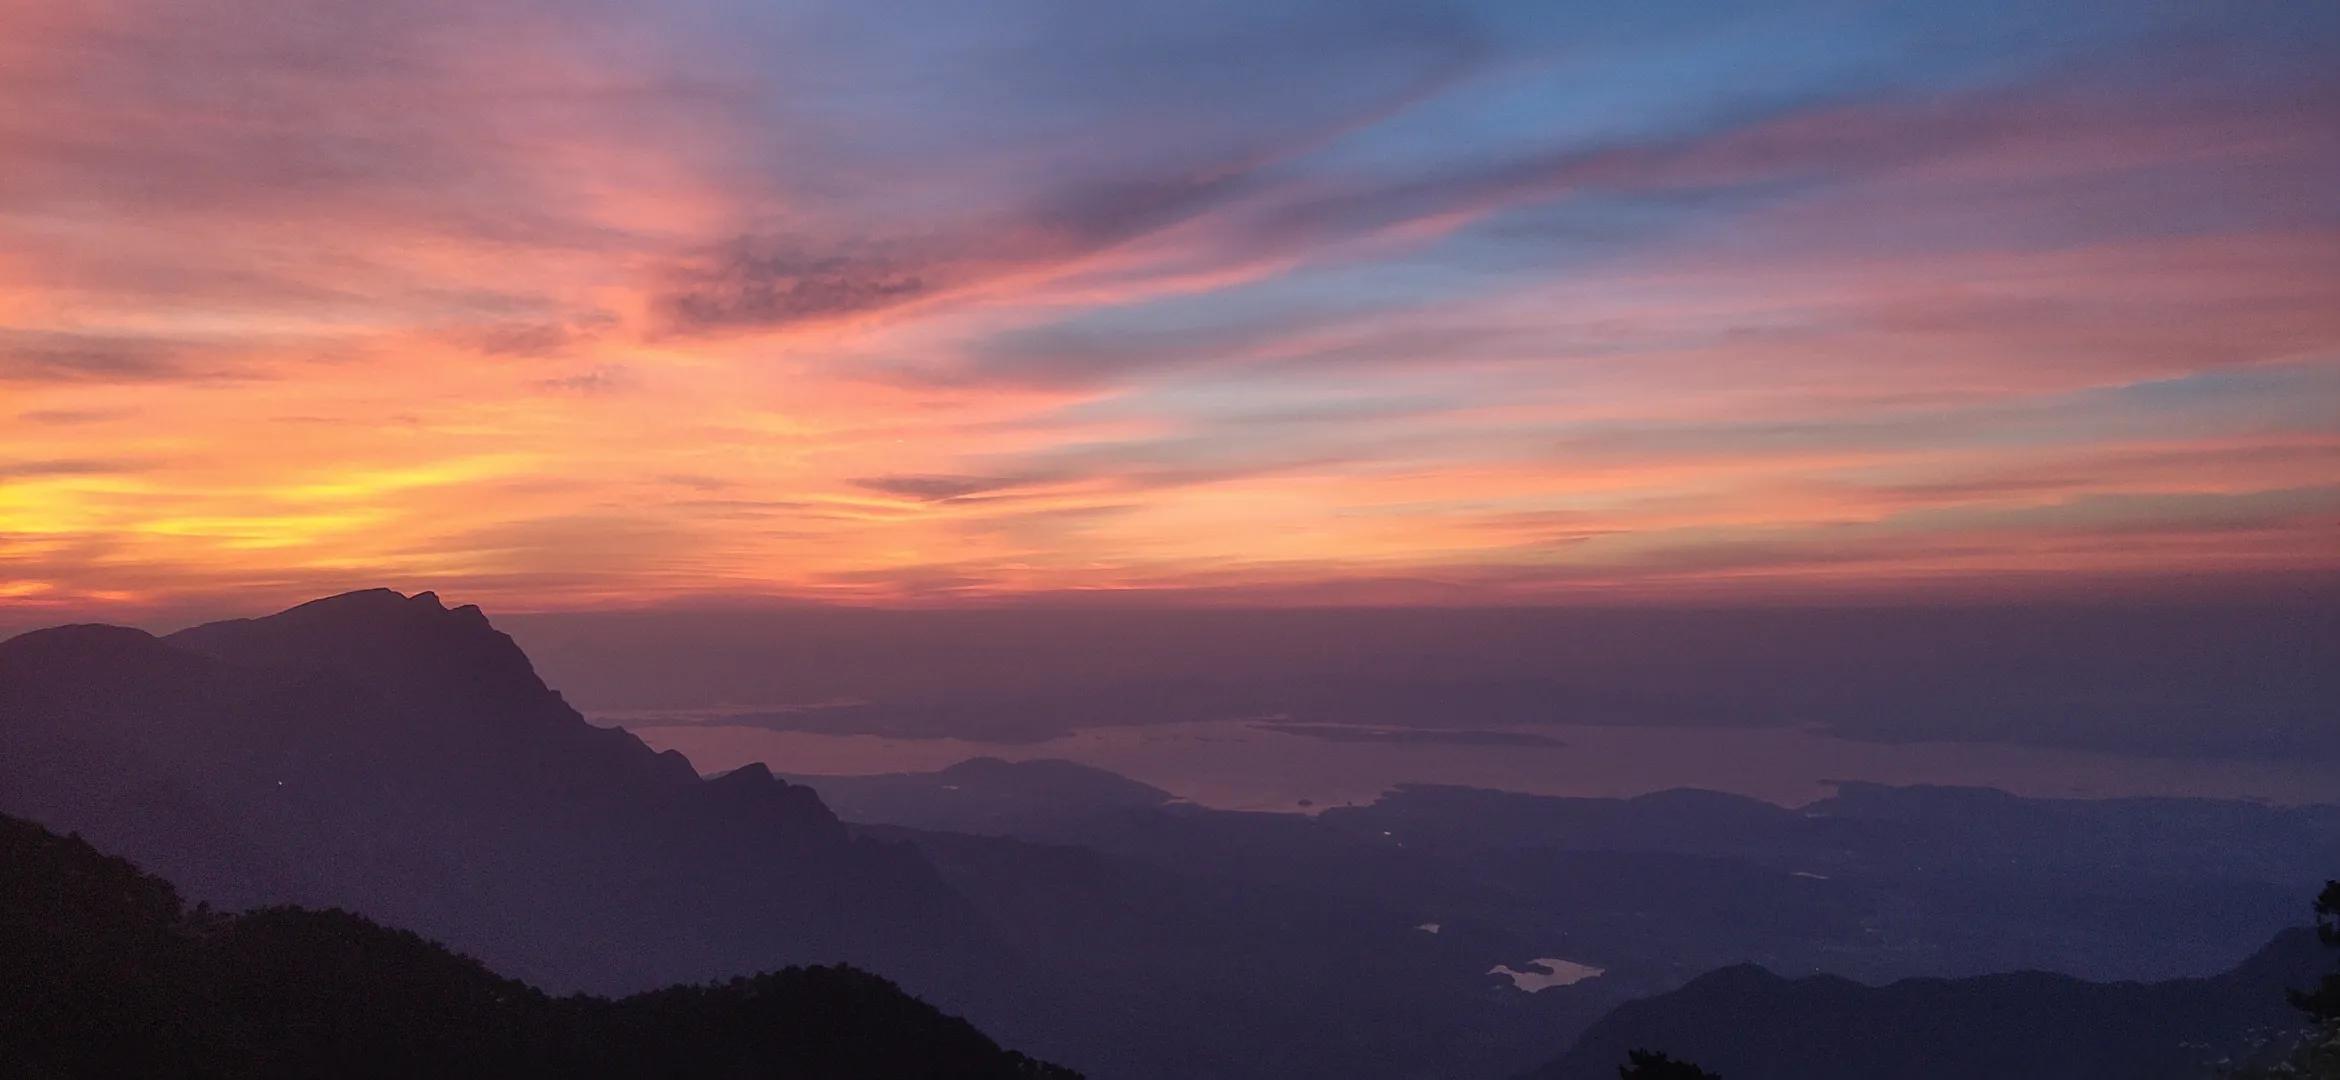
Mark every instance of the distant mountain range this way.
pixel 393 756
pixel 1875 882
pixel 109 975
pixel 1746 1023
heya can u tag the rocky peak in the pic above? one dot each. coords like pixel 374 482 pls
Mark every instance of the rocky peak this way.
pixel 407 647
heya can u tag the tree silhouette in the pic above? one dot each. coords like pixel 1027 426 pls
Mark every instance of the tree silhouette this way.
pixel 1653 1065
pixel 2317 1055
pixel 105 973
pixel 2323 1003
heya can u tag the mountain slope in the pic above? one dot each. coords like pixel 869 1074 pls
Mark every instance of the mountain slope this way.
pixel 389 755
pixel 1746 1023
pixel 108 975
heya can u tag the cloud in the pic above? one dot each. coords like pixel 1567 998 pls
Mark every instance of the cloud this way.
pixel 1294 300
pixel 529 339
pixel 699 482
pixel 23 470
pixel 1074 133
pixel 937 488
pixel 769 283
pixel 64 417
pixel 59 357
pixel 597 380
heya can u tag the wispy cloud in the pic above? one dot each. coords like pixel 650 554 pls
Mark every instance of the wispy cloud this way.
pixel 1293 301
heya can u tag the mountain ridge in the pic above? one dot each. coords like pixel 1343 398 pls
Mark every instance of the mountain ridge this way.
pixel 386 753
pixel 389 754
pixel 1747 1023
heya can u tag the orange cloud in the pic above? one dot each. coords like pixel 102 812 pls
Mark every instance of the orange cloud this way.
pixel 551 309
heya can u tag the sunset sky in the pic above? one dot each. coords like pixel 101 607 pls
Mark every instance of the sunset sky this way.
pixel 581 305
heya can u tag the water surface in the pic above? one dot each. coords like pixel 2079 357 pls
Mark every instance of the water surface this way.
pixel 1240 764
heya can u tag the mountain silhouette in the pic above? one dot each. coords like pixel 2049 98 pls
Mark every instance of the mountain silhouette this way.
pixel 987 795
pixel 1745 1023
pixel 1327 916
pixel 386 754
pixel 110 975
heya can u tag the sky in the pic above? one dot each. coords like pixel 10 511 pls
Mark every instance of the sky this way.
pixel 584 305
